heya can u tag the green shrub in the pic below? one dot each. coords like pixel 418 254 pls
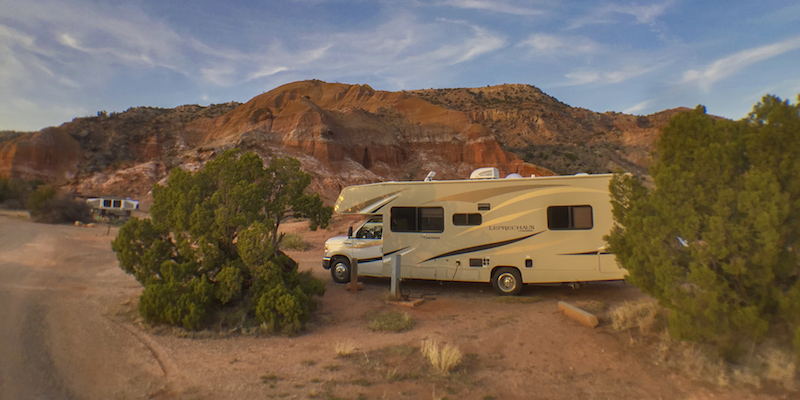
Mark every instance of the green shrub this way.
pixel 46 205
pixel 176 303
pixel 14 193
pixel 716 240
pixel 210 247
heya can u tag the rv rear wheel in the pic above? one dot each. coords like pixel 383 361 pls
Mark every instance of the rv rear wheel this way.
pixel 507 281
pixel 340 270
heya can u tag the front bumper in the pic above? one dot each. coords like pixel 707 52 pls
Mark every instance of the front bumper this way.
pixel 326 262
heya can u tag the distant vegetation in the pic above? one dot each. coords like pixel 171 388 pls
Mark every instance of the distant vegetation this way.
pixel 211 255
pixel 717 241
pixel 43 202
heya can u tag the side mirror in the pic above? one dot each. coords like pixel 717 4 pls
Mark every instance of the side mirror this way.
pixel 350 232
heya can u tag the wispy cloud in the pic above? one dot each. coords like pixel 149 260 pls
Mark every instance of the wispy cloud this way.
pixel 585 77
pixel 403 50
pixel 610 13
pixel 482 41
pixel 728 66
pixel 93 42
pixel 495 6
pixel 558 45
pixel 638 108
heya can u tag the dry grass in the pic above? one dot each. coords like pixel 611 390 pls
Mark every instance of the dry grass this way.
pixel 392 321
pixel 592 306
pixel 779 367
pixel 344 349
pixel 293 241
pixel 444 359
pixel 517 299
pixel 767 364
pixel 646 316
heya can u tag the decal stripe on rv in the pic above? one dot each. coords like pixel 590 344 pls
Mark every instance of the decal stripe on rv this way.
pixel 482 247
pixel 587 253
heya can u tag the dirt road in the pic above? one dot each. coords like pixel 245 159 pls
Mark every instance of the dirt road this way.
pixel 69 330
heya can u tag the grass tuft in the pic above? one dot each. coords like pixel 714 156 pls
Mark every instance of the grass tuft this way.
pixel 392 321
pixel 444 359
pixel 344 349
pixel 646 316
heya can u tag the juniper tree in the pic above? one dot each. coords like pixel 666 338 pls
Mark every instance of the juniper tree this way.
pixel 716 239
pixel 212 244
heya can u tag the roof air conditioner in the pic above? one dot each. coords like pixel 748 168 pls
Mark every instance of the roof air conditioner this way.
pixel 485 173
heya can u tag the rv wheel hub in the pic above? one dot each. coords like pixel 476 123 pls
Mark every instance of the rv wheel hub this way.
pixel 340 270
pixel 507 282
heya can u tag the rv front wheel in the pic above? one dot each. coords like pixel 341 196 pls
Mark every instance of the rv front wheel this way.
pixel 340 270
pixel 507 281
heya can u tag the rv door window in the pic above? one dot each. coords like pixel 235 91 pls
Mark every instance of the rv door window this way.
pixel 467 219
pixel 569 217
pixel 417 219
pixel 372 229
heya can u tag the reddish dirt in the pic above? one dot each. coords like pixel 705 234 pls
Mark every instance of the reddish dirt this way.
pixel 98 349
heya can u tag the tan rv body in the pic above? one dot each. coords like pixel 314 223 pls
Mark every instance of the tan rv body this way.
pixel 549 229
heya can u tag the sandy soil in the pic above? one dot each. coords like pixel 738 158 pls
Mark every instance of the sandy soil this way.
pixel 69 329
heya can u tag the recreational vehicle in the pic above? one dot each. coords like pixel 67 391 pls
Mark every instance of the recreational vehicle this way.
pixel 112 207
pixel 509 231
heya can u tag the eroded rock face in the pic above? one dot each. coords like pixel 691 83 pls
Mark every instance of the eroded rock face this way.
pixel 342 134
pixel 50 155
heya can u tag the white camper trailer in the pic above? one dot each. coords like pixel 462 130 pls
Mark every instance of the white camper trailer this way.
pixel 112 207
pixel 508 232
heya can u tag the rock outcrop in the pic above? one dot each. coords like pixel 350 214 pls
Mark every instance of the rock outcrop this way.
pixel 48 155
pixel 342 134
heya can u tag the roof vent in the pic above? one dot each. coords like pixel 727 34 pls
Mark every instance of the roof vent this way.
pixel 513 175
pixel 485 173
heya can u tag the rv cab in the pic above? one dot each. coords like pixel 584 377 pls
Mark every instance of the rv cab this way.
pixel 365 244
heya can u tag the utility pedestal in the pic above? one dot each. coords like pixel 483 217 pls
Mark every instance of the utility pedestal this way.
pixel 354 285
pixel 396 276
pixel 396 261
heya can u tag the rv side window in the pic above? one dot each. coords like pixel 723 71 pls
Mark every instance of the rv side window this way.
pixel 431 219
pixel 106 203
pixel 417 219
pixel 569 217
pixel 467 219
pixel 117 204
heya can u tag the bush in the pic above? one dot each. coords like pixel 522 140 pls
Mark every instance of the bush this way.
pixel 46 205
pixel 211 246
pixel 14 193
pixel 716 240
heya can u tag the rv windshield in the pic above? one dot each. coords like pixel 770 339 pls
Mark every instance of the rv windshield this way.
pixel 372 229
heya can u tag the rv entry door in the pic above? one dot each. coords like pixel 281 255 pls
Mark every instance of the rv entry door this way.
pixel 367 245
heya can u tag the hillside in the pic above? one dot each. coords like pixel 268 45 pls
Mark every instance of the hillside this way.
pixel 343 134
pixel 541 130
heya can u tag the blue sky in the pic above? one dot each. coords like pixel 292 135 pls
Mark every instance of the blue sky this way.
pixel 61 59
